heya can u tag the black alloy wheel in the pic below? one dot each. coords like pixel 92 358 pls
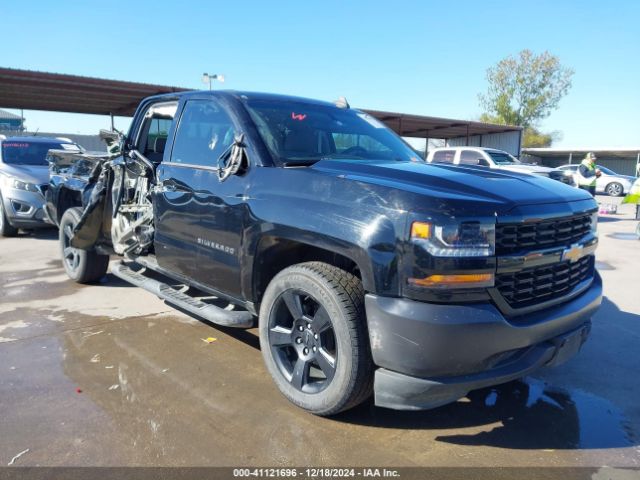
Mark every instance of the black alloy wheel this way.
pixel 314 338
pixel 302 341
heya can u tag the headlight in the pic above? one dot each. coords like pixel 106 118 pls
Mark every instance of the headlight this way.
pixel 10 182
pixel 594 223
pixel 466 239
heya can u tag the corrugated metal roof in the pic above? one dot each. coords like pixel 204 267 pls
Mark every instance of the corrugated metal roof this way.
pixel 71 93
pixel 553 152
pixel 421 126
pixel 4 115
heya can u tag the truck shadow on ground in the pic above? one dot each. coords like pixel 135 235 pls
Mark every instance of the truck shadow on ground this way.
pixel 602 219
pixel 529 413
pixel 49 233
pixel 524 414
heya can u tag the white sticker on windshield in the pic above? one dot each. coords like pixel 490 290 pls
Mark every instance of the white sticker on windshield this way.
pixel 371 120
pixel 70 146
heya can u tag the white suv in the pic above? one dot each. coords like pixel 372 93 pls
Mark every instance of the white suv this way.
pixel 492 158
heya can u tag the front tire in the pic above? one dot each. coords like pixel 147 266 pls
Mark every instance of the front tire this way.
pixel 314 339
pixel 614 189
pixel 6 229
pixel 82 266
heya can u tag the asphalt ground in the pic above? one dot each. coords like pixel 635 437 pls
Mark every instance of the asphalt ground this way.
pixel 109 375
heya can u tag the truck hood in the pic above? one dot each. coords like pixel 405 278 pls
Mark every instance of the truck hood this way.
pixel 37 174
pixel 488 189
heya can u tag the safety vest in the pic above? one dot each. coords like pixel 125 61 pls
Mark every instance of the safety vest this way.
pixel 587 181
pixel 634 194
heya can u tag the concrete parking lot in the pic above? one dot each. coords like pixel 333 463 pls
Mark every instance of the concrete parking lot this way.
pixel 109 375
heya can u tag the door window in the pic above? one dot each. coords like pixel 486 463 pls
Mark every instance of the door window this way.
pixel 204 133
pixel 155 130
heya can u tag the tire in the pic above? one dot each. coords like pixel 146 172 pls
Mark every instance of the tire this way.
pixel 82 266
pixel 312 322
pixel 6 229
pixel 614 189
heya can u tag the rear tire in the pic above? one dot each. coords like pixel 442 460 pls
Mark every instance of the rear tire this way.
pixel 6 229
pixel 614 189
pixel 314 339
pixel 82 266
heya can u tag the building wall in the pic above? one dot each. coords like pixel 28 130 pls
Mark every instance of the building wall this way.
pixel 89 142
pixel 11 124
pixel 507 141
pixel 621 165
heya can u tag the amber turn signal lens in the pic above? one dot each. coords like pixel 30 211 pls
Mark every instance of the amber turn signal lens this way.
pixel 472 280
pixel 420 230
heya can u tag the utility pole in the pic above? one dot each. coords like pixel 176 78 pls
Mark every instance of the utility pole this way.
pixel 209 78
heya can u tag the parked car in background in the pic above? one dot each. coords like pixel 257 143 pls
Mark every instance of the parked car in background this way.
pixel 609 182
pixel 493 158
pixel 24 177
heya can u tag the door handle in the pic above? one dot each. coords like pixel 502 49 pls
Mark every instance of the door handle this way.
pixel 173 186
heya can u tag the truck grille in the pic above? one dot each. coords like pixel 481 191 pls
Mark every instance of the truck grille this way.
pixel 536 285
pixel 515 237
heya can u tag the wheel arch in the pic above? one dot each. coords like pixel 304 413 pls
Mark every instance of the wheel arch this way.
pixel 275 253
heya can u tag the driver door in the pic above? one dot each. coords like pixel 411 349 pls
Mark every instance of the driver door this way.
pixel 210 214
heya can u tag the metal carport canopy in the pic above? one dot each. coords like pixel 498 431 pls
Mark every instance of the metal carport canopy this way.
pixel 32 90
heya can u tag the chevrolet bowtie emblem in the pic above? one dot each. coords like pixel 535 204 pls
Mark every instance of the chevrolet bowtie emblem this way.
pixel 573 253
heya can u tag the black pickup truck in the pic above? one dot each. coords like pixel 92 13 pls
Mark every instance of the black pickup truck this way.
pixel 365 269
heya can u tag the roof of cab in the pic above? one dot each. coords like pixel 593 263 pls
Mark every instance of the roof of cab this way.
pixel 241 95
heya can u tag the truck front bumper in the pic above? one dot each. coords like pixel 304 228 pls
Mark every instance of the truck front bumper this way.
pixel 432 354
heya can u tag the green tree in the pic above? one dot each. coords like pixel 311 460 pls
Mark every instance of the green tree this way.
pixel 534 138
pixel 525 89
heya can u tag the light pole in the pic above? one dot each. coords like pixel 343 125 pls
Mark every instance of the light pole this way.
pixel 209 78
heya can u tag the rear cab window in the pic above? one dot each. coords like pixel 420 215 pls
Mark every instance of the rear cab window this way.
pixel 153 134
pixel 444 156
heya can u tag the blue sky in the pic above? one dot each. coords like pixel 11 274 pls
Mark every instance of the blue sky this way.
pixel 423 57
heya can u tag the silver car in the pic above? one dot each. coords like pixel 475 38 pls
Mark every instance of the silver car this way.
pixel 24 177
pixel 497 159
pixel 609 182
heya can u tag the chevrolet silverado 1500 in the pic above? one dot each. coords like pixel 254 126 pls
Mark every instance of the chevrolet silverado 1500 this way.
pixel 366 270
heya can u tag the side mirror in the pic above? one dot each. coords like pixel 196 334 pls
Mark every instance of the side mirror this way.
pixel 483 162
pixel 233 160
pixel 114 140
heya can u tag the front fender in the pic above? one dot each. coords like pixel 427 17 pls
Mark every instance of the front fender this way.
pixel 371 244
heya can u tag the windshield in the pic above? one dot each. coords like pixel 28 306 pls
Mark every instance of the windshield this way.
pixel 502 158
pixel 606 170
pixel 300 133
pixel 19 152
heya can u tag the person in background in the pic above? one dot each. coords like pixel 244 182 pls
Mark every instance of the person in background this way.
pixel 633 197
pixel 588 173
